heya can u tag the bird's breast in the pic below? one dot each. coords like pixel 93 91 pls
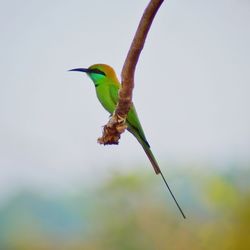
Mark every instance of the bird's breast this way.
pixel 103 95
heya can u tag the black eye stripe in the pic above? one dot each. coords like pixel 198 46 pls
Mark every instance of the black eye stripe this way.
pixel 97 71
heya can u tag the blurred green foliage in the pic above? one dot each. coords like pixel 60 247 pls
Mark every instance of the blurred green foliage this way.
pixel 133 212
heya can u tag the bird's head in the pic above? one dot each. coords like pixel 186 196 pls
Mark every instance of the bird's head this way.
pixel 99 73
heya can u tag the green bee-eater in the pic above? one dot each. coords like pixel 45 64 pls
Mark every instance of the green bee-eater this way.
pixel 107 86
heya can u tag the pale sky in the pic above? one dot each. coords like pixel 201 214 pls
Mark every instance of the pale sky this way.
pixel 191 91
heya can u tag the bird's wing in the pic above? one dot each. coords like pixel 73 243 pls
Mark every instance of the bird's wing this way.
pixel 113 89
pixel 133 122
pixel 134 125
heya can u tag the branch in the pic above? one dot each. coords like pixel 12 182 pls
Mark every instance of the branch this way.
pixel 117 123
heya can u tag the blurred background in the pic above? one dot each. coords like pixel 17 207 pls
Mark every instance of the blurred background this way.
pixel 59 189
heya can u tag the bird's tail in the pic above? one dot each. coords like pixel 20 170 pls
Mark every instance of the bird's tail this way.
pixel 146 147
pixel 151 157
pixel 157 169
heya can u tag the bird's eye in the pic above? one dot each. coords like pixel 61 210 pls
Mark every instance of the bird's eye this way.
pixel 97 71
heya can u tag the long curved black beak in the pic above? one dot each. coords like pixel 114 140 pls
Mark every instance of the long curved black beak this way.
pixel 82 70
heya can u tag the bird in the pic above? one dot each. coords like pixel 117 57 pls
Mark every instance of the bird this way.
pixel 107 88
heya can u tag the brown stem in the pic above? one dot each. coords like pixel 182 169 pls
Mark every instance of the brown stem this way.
pixel 117 124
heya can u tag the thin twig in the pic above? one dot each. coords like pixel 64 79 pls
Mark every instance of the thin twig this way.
pixel 117 123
